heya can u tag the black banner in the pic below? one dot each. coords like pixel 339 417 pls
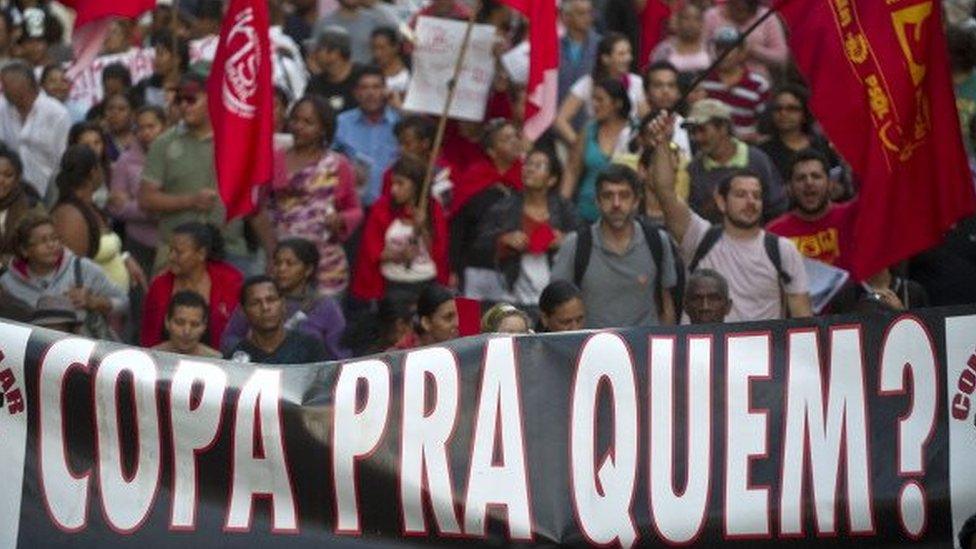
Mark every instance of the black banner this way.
pixel 828 432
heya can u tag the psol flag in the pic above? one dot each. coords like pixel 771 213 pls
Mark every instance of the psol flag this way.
pixel 240 101
pixel 881 89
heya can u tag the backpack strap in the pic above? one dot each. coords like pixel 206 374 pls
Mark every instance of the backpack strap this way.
pixel 584 246
pixel 707 243
pixel 771 243
pixel 653 239
pixel 77 271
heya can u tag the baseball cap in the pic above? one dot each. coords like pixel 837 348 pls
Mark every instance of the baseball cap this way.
pixel 706 110
pixel 332 37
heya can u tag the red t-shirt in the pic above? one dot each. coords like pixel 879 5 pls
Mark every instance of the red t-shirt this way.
pixel 827 239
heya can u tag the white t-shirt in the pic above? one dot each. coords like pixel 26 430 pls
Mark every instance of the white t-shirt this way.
pixel 399 82
pixel 398 236
pixel 583 89
pixel 754 284
pixel 40 138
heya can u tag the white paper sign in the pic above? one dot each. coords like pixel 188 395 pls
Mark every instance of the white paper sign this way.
pixel 86 88
pixel 437 48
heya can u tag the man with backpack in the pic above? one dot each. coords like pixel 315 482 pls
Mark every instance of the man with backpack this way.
pixel 625 269
pixel 766 276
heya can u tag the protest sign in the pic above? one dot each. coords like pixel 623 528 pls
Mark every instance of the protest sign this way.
pixel 438 45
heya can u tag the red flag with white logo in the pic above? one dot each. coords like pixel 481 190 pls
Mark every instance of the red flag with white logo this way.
pixel 543 86
pixel 239 95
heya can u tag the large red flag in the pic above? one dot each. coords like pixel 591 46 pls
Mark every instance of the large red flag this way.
pixel 881 89
pixel 240 101
pixel 543 86
pixel 92 18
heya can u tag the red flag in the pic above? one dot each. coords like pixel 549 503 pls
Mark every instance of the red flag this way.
pixel 654 18
pixel 543 86
pixel 879 76
pixel 239 93
pixel 92 18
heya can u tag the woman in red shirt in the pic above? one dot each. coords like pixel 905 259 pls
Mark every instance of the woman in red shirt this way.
pixel 195 250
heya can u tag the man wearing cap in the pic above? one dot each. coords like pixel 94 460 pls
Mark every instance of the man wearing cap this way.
pixel 33 124
pixel 720 154
pixel 336 82
pixel 180 182
pixel 744 91
pixel 765 273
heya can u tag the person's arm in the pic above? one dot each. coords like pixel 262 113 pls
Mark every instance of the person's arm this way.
pixel 570 106
pixel 102 289
pixel 574 168
pixel 72 227
pixel 153 199
pixel 667 316
pixel 260 223
pixel 124 201
pixel 564 262
pixel 677 215
pixel 349 209
pixel 799 305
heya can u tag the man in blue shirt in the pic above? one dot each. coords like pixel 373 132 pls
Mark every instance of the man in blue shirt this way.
pixel 365 134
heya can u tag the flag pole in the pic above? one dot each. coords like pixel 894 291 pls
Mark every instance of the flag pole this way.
pixel 773 9
pixel 442 123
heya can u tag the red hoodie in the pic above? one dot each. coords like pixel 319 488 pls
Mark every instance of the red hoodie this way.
pixel 225 289
pixel 367 281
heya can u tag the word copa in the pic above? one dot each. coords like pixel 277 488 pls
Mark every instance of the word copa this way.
pixel 825 432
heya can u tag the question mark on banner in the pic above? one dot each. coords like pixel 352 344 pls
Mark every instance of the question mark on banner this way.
pixel 908 349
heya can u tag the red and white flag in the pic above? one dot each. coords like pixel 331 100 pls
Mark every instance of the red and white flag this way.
pixel 543 87
pixel 239 95
pixel 92 19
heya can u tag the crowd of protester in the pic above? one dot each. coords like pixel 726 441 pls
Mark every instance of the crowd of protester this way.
pixel 648 202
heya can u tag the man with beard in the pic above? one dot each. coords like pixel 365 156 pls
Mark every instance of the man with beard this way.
pixel 627 278
pixel 759 267
pixel 819 229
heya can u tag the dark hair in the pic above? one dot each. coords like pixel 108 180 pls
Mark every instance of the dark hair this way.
pixel 491 129
pixel 76 166
pixel 187 298
pixel 618 173
pixel 662 65
pixel 325 113
pixel 370 70
pixel 369 332
pixel 26 226
pixel 618 93
pixel 80 128
pixel 962 48
pixel 155 110
pixel 281 94
pixel 605 47
pixel 205 236
pixel 304 250
pixel 14 159
pixel 212 10
pixel 421 125
pixel 164 38
pixel 703 273
pixel 557 293
pixel 20 68
pixel 48 69
pixel 967 532
pixel 802 94
pixel 725 185
pixel 806 155
pixel 117 71
pixel 555 168
pixel 252 281
pixel 431 298
pixel 335 38
pixel 387 32
pixel 414 169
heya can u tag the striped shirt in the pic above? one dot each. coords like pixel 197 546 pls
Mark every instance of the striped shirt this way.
pixel 747 98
